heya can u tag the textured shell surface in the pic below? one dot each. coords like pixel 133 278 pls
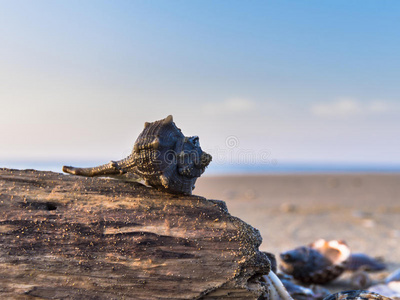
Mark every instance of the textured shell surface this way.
pixel 394 276
pixel 319 262
pixel 162 157
pixel 391 289
pixel 356 295
pixel 360 280
pixel 358 261
pixel 298 292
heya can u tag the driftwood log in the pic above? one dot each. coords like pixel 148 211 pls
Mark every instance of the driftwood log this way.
pixel 67 237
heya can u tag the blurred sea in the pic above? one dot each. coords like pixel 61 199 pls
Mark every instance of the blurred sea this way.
pixel 226 169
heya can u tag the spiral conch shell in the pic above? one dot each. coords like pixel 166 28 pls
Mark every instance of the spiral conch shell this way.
pixel 162 157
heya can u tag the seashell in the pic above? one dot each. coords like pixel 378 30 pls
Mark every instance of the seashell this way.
pixel 162 156
pixel 297 292
pixel 395 286
pixel 356 295
pixel 275 288
pixel 320 262
pixel 360 280
pixel 303 262
pixel 391 289
pixel 319 291
pixel 394 276
pixel 358 261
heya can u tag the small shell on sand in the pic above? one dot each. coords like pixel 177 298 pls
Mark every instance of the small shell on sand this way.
pixel 394 276
pixel 298 292
pixel 358 261
pixel 320 262
pixel 360 280
pixel 392 289
pixel 356 295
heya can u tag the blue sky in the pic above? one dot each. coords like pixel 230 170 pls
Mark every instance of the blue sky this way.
pixel 304 81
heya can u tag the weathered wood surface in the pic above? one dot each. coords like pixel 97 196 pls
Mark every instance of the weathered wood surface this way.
pixel 67 237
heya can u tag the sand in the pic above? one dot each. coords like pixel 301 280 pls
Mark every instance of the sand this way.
pixel 293 210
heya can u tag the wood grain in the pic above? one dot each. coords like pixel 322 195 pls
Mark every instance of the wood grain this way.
pixel 68 237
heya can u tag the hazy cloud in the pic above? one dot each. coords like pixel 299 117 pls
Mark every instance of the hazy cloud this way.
pixel 229 106
pixel 344 107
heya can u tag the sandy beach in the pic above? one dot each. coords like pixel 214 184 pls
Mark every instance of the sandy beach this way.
pixel 294 210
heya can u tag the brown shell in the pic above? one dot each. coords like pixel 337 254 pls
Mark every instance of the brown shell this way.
pixel 356 295
pixel 162 156
pixel 168 160
pixel 319 262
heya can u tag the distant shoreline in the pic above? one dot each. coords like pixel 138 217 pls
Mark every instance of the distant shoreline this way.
pixel 216 169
